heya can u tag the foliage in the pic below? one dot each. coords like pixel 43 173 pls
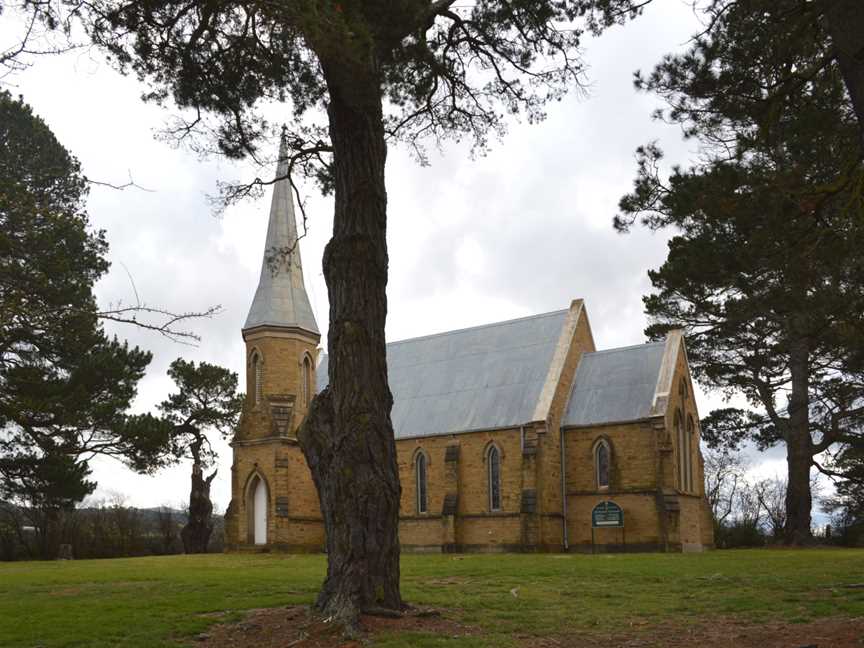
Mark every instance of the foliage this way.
pixel 445 70
pixel 103 529
pixel 206 399
pixel 766 272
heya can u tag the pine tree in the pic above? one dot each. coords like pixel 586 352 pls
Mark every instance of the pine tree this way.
pixel 206 399
pixel 65 387
pixel 766 271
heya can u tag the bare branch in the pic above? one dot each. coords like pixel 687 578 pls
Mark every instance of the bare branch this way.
pixel 126 185
pixel 164 321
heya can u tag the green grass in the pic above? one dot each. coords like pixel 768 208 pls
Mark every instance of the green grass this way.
pixel 164 601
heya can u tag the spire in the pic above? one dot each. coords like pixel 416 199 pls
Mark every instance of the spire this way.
pixel 281 298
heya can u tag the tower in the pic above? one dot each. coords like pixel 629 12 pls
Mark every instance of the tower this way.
pixel 281 339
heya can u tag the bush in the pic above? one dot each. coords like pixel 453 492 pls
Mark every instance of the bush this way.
pixel 739 534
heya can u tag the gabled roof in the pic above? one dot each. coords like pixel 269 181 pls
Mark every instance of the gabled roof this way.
pixel 482 378
pixel 281 298
pixel 616 385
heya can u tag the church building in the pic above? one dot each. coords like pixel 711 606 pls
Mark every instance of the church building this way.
pixel 512 436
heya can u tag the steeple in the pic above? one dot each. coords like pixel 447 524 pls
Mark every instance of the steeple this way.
pixel 281 299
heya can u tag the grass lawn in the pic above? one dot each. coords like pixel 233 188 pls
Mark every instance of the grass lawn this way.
pixel 164 601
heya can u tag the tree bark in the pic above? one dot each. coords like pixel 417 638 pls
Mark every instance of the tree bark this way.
pixel 196 532
pixel 348 436
pixel 844 20
pixel 799 448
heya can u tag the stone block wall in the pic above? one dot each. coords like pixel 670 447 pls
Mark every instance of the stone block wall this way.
pixel 458 516
pixel 282 354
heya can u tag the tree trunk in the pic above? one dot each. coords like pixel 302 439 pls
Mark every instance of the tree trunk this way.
pixel 844 20
pixel 799 448
pixel 196 533
pixel 348 436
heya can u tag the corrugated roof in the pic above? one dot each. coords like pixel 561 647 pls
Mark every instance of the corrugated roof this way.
pixel 480 378
pixel 281 298
pixel 614 386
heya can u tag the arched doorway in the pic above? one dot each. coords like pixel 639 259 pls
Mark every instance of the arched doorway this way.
pixel 256 507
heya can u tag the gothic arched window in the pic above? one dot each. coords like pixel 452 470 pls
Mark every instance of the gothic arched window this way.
pixel 601 463
pixel 256 388
pixel 306 380
pixel 420 476
pixel 681 444
pixel 494 467
pixel 691 440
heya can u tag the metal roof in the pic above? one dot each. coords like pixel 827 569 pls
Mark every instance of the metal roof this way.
pixel 281 298
pixel 480 378
pixel 615 385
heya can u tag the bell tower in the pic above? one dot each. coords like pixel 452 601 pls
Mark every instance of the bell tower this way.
pixel 281 342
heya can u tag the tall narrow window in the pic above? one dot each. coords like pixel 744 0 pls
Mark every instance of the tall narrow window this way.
pixel 420 474
pixel 256 387
pixel 691 441
pixel 494 461
pixel 601 461
pixel 681 451
pixel 306 381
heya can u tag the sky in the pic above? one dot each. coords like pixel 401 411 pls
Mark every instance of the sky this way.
pixel 522 230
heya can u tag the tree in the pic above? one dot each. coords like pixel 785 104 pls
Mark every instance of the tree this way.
pixel 403 70
pixel 724 477
pixel 65 387
pixel 771 494
pixel 207 399
pixel 767 272
pixel 36 36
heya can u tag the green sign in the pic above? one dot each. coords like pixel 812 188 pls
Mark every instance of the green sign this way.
pixel 607 514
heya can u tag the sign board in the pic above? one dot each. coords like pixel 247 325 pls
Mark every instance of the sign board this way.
pixel 607 514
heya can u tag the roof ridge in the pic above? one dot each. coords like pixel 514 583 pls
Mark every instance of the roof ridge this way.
pixel 480 326
pixel 625 348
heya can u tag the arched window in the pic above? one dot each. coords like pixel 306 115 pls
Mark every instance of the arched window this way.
pixel 256 388
pixel 681 451
pixel 493 460
pixel 691 441
pixel 420 476
pixel 601 463
pixel 306 380
pixel 682 389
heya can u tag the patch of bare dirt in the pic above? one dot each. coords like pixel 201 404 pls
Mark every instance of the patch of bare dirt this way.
pixel 296 627
pixel 724 633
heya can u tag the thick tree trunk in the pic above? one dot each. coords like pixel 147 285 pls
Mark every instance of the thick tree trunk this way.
pixel 844 20
pixel 348 436
pixel 799 448
pixel 196 533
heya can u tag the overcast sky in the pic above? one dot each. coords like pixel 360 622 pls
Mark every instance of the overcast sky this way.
pixel 524 230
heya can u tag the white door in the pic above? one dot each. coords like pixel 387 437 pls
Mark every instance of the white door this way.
pixel 260 504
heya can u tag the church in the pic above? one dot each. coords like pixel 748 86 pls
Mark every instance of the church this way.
pixel 512 436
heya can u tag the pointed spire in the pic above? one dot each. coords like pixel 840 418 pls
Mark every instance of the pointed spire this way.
pixel 281 298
